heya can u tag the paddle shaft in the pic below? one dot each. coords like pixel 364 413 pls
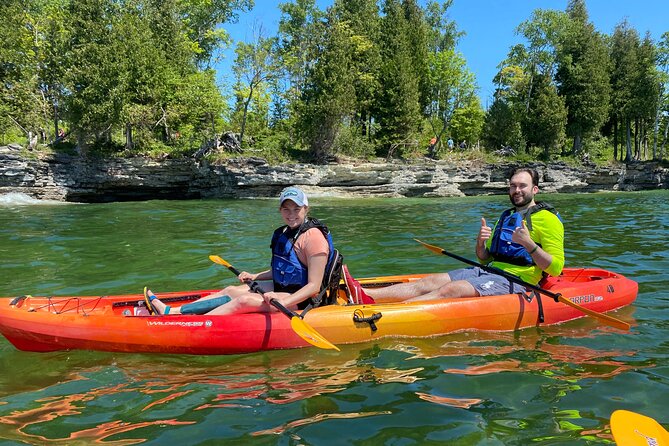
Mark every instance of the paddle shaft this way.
pixel 499 272
pixel 511 278
pixel 299 326
pixel 256 288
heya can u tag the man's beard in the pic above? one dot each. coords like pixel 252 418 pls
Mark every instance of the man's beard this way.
pixel 525 200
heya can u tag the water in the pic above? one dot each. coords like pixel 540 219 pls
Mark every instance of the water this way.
pixel 553 385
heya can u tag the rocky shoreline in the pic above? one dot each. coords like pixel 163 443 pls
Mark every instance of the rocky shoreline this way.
pixel 73 178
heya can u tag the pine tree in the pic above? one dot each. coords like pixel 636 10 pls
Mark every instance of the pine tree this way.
pixel 544 124
pixel 329 93
pixel 398 104
pixel 582 75
pixel 624 45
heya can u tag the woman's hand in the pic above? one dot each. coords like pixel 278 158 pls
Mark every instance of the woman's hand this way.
pixel 269 296
pixel 245 277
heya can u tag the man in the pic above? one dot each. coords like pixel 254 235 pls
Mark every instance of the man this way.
pixel 527 241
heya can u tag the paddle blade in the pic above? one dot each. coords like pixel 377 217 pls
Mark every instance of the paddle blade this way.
pixel 605 318
pixel 632 429
pixel 310 335
pixel 219 260
pixel 432 248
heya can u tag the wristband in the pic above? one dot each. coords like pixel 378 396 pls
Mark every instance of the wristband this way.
pixel 535 248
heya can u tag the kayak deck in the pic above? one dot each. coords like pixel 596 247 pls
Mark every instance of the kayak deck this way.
pixel 121 323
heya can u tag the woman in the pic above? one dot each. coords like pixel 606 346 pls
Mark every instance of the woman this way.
pixel 301 252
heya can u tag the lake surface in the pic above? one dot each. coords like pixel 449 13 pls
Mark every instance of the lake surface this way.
pixel 542 386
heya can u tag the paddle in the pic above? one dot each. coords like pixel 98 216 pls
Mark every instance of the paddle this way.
pixel 304 330
pixel 608 320
pixel 633 429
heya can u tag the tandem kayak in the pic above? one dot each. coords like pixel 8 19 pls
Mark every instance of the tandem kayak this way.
pixel 122 324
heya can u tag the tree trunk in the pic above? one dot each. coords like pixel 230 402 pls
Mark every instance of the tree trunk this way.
pixel 246 109
pixel 615 138
pixel 637 139
pixel 128 136
pixel 664 141
pixel 55 122
pixel 656 124
pixel 628 140
pixel 577 143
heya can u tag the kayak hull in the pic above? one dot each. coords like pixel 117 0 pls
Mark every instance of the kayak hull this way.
pixel 121 323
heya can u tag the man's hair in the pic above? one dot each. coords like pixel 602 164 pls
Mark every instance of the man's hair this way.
pixel 531 172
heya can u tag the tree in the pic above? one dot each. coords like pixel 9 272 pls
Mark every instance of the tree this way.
pixel 663 93
pixel 442 33
pixel 539 56
pixel 544 124
pixel 329 94
pixel 647 90
pixel 255 66
pixel 362 19
pixel 467 122
pixel 452 88
pixel 501 128
pixel 32 38
pixel 299 33
pixel 398 104
pixel 582 75
pixel 202 20
pixel 624 44
pixel 418 40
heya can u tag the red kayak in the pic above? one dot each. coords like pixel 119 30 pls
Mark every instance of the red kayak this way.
pixel 122 324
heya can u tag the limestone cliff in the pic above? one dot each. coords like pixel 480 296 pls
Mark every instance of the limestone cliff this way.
pixel 73 178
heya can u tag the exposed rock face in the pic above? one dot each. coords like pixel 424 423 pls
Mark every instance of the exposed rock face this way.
pixel 70 178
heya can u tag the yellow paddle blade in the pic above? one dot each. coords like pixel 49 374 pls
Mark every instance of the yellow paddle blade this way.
pixel 310 335
pixel 633 429
pixel 219 260
pixel 608 320
pixel 304 330
pixel 432 248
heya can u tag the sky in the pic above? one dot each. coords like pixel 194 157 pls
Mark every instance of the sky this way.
pixel 489 27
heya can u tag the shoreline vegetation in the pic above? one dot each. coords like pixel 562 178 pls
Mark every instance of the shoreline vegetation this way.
pixel 355 81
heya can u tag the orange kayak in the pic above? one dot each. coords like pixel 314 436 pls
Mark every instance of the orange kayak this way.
pixel 122 324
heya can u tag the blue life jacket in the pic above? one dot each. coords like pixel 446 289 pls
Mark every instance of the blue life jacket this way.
pixel 502 247
pixel 288 273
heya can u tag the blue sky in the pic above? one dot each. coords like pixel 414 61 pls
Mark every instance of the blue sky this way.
pixel 489 26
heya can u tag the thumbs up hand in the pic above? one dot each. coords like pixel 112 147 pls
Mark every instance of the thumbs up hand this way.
pixel 521 235
pixel 484 233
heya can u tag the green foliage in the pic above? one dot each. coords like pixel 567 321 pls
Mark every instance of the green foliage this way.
pixel 467 123
pixel 329 95
pixel 544 124
pixel 398 104
pixel 351 142
pixel 360 78
pixel 501 128
pixel 122 74
pixel 583 75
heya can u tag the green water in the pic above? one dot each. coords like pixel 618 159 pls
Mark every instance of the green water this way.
pixel 554 385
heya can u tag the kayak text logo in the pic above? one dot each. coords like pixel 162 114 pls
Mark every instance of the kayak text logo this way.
pixel 176 323
pixel 585 299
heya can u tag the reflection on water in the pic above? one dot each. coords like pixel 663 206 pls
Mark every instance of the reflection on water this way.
pixel 172 393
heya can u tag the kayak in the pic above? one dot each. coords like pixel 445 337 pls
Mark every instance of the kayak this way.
pixel 122 323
